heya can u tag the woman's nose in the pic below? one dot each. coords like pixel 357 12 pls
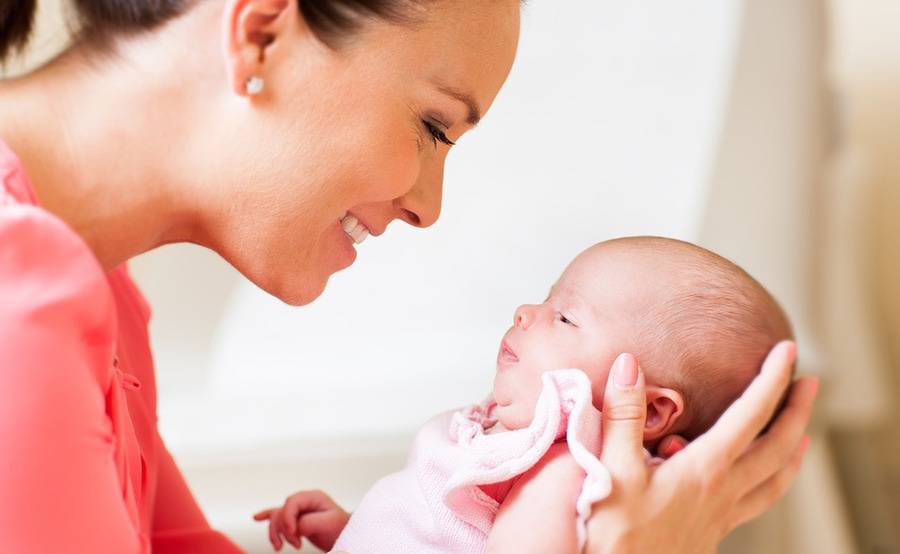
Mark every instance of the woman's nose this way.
pixel 525 317
pixel 421 206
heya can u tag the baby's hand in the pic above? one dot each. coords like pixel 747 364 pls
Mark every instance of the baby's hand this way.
pixel 310 514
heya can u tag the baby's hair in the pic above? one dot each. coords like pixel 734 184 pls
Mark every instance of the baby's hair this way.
pixel 711 333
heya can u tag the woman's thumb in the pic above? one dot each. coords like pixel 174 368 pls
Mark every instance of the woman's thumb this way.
pixel 624 413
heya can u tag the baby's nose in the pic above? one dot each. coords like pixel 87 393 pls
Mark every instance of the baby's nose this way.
pixel 524 317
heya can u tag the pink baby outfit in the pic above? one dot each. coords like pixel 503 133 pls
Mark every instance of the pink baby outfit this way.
pixel 82 466
pixel 435 503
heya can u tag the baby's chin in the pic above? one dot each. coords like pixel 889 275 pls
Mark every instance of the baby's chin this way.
pixel 512 418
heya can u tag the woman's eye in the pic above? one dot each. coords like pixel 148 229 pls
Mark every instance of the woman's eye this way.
pixel 437 134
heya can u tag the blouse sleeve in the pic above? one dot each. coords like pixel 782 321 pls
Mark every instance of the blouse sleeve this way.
pixel 178 524
pixel 58 477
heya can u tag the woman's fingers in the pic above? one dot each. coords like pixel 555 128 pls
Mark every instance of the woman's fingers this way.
pixel 744 419
pixel 624 413
pixel 770 452
pixel 764 496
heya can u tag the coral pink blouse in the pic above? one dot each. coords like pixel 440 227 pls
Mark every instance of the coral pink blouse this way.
pixel 82 465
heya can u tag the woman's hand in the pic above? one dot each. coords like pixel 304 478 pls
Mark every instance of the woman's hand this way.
pixel 723 479
pixel 310 514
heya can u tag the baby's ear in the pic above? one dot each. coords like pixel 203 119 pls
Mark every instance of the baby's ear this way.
pixel 664 408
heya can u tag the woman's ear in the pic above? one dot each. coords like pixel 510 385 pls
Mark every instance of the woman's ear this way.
pixel 250 29
pixel 664 408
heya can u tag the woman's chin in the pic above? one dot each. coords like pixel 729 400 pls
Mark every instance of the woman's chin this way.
pixel 296 290
pixel 333 252
pixel 302 295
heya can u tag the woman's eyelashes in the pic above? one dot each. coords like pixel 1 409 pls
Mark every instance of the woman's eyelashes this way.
pixel 437 134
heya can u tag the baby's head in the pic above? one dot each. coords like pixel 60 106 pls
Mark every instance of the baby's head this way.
pixel 700 326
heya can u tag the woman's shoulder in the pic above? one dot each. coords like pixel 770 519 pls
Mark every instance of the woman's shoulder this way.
pixel 52 288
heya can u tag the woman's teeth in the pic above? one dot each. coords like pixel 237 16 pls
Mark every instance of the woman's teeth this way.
pixel 356 230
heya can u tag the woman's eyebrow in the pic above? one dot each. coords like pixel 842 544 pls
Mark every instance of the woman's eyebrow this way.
pixel 464 97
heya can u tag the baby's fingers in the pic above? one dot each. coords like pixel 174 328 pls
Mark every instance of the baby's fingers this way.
pixel 263 515
pixel 294 538
pixel 274 537
pixel 302 503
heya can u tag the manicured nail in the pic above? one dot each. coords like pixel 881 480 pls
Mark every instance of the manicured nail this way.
pixel 792 350
pixel 625 371
pixel 815 386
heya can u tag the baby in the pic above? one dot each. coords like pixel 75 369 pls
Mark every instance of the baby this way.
pixel 700 327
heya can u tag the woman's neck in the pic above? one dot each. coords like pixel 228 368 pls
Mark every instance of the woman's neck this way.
pixel 103 144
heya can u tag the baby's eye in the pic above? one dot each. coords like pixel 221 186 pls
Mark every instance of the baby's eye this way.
pixel 566 320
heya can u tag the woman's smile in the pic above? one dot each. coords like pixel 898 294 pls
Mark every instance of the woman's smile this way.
pixel 354 228
pixel 349 231
pixel 345 251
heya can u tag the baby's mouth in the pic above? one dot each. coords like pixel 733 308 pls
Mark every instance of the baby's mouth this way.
pixel 507 354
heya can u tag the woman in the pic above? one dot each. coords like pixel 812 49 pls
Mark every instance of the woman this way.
pixel 277 133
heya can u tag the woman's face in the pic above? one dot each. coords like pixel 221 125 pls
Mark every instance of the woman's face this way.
pixel 362 130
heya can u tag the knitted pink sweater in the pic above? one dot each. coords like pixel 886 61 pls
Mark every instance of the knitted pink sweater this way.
pixel 435 504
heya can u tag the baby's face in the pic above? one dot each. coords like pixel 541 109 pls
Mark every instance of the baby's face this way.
pixel 584 324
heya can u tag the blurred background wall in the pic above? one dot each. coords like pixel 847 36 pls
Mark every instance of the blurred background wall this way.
pixel 765 130
pixel 865 67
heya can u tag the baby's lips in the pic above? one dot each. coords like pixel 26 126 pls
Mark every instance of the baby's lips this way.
pixel 507 351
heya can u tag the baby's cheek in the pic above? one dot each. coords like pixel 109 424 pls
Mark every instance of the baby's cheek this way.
pixel 514 416
pixel 598 388
pixel 597 371
pixel 525 408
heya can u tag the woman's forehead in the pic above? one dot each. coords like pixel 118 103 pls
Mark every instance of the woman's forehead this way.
pixel 464 47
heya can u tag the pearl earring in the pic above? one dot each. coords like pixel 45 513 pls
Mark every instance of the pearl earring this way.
pixel 254 85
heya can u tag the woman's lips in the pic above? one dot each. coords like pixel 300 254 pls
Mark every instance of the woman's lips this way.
pixel 345 253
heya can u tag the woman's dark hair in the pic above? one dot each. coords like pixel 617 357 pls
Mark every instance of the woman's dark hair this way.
pixel 98 20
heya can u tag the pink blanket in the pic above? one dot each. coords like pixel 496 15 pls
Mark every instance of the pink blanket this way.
pixel 435 504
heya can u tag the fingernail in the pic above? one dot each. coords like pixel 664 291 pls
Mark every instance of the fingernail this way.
pixel 805 444
pixel 625 372
pixel 792 351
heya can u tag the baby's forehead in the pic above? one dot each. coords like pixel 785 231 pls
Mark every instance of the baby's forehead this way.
pixel 614 264
pixel 616 274
pixel 602 284
pixel 641 258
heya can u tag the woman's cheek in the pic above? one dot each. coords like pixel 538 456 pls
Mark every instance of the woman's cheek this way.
pixel 400 170
pixel 390 165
